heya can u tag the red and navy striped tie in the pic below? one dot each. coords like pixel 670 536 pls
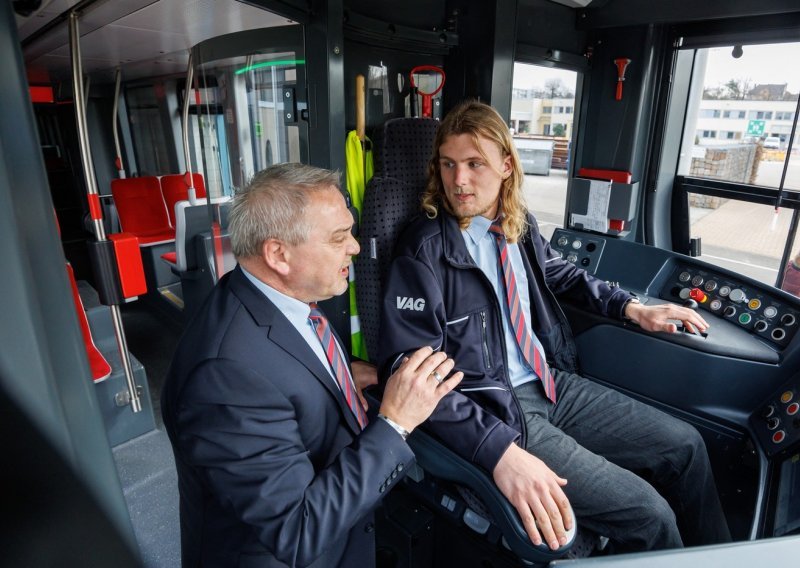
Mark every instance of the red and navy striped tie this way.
pixel 529 344
pixel 338 365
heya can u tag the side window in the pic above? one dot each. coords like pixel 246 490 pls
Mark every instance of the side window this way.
pixel 247 129
pixel 542 122
pixel 207 142
pixel 736 144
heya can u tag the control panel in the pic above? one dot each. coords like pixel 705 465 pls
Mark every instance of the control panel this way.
pixel 748 307
pixel 777 423
pixel 580 249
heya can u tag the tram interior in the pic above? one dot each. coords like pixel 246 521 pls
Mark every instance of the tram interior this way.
pixel 277 81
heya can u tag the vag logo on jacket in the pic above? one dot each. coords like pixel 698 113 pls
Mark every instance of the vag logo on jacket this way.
pixel 416 304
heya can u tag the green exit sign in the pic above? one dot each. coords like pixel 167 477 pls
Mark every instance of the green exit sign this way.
pixel 755 127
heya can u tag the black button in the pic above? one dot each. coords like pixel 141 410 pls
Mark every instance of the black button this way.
pixel 394 475
pixel 369 527
pixel 382 488
pixel 400 467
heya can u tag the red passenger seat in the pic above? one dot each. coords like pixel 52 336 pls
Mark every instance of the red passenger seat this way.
pixel 174 189
pixel 141 209
pixel 101 370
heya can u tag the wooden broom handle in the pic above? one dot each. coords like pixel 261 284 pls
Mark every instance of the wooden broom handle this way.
pixel 361 107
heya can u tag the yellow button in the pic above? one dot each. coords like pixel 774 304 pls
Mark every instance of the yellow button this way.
pixel 787 396
pixel 754 304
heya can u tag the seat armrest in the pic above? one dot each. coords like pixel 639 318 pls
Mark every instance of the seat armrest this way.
pixel 438 460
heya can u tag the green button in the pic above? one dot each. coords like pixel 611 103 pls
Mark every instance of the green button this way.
pixel 744 319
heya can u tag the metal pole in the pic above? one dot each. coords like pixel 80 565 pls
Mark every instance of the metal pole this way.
pixel 185 125
pixel 94 200
pixel 118 161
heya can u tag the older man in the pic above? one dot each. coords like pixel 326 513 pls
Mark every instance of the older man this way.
pixel 278 462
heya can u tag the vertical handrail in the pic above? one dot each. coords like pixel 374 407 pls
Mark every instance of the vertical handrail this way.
pixel 94 197
pixel 118 159
pixel 187 91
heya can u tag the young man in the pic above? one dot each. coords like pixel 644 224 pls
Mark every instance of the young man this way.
pixel 278 463
pixel 487 285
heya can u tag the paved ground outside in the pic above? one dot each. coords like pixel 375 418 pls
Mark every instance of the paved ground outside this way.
pixel 546 196
pixel 744 237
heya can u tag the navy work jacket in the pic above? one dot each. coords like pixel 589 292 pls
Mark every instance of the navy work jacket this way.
pixel 436 295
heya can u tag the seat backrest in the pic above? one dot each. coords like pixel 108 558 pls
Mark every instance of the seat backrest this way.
pixel 98 364
pixel 140 205
pixel 391 199
pixel 215 250
pixel 190 221
pixel 174 189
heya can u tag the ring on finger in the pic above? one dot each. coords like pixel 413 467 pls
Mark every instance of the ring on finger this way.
pixel 439 378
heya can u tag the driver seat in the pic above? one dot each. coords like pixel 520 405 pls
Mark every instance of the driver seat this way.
pixel 443 479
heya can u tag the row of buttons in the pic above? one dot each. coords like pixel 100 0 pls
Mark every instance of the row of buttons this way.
pixel 736 295
pixel 576 244
pixel 744 318
pixel 579 250
pixel 762 315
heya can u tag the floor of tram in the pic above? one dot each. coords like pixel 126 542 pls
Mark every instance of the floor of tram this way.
pixel 145 464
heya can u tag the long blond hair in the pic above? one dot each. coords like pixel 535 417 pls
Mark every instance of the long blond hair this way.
pixel 479 120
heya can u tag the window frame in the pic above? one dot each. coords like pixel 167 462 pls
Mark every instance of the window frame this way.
pixel 684 185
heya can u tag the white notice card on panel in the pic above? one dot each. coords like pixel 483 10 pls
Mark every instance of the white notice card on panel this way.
pixel 596 218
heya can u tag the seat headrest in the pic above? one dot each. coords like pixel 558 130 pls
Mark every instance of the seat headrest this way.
pixel 406 147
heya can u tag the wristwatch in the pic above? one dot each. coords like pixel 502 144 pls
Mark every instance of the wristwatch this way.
pixel 631 300
pixel 397 428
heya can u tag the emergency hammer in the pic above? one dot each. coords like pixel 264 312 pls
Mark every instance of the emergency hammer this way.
pixel 622 65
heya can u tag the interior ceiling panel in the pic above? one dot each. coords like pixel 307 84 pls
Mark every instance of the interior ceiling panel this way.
pixel 121 44
pixel 202 19
pixel 144 37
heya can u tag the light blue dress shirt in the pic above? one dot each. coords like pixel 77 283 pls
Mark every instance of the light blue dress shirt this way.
pixel 297 313
pixel 483 248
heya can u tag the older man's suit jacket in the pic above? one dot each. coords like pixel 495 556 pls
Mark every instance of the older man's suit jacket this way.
pixel 272 468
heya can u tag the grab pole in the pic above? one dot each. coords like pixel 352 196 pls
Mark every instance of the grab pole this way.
pixel 93 197
pixel 118 160
pixel 187 92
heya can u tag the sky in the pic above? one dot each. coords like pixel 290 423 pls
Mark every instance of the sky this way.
pixel 771 63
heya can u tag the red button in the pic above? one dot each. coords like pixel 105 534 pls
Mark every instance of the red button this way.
pixel 792 409
pixel 778 436
pixel 698 295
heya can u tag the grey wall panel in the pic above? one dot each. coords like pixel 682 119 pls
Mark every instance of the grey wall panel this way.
pixel 43 366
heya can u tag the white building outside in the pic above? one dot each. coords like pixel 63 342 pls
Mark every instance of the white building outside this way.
pixel 728 121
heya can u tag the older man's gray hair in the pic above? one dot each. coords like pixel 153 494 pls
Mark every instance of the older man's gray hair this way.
pixel 273 205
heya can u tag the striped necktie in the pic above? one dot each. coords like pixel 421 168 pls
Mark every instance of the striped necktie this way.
pixel 529 344
pixel 337 363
